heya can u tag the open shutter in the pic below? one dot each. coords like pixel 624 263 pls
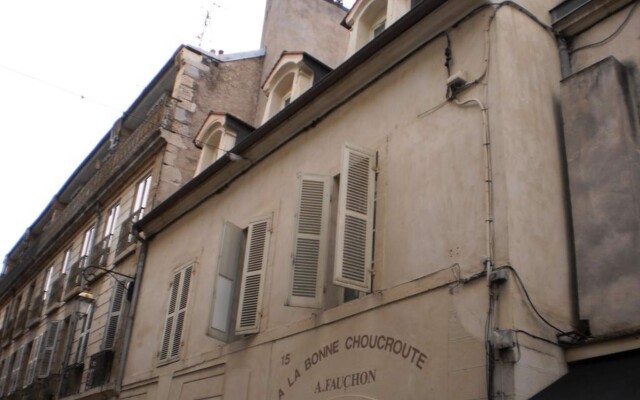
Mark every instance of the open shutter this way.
pixel 6 365
pixel 47 349
pixel 17 366
pixel 354 238
pixel 113 321
pixel 84 336
pixel 176 314
pixel 33 360
pixel 228 268
pixel 255 260
pixel 310 242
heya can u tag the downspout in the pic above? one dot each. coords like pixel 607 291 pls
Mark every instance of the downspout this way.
pixel 565 57
pixel 131 314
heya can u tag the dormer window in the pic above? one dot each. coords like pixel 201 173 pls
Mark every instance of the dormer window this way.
pixel 293 74
pixel 367 19
pixel 218 136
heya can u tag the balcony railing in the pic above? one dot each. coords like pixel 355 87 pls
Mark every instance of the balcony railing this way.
pixel 71 379
pixel 6 336
pixel 36 310
pixel 73 277
pixel 21 322
pixel 55 293
pixel 126 238
pixel 100 253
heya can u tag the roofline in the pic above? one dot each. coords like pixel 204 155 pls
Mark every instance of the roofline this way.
pixel 331 80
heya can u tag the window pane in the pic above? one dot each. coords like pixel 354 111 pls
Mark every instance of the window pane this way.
pixel 222 306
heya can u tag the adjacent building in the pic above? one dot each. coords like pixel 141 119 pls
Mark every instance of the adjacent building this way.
pixel 406 199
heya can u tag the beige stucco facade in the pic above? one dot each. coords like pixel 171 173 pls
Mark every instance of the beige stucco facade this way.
pixel 440 206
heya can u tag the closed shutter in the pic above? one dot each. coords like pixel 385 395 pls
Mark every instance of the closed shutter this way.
pixel 6 365
pixel 310 242
pixel 255 260
pixel 224 293
pixel 113 320
pixel 47 349
pixel 354 238
pixel 17 366
pixel 33 360
pixel 83 340
pixel 176 314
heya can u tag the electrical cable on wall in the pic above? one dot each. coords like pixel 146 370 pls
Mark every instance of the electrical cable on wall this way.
pixel 613 35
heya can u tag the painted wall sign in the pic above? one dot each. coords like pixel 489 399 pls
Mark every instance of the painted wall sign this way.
pixel 358 342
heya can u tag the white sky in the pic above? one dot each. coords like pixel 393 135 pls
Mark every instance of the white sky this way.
pixel 69 68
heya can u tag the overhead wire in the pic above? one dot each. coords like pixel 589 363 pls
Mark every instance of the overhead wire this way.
pixel 612 35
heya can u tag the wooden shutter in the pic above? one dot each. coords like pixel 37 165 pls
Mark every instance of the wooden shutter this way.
pixel 17 366
pixel 47 349
pixel 84 336
pixel 310 242
pixel 113 320
pixel 255 260
pixel 354 238
pixel 5 374
pixel 33 360
pixel 176 314
pixel 223 296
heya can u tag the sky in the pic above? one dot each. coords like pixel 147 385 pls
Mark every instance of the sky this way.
pixel 68 70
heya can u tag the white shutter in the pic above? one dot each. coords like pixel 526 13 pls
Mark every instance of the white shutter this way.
pixel 47 349
pixel 354 238
pixel 5 374
pixel 17 366
pixel 113 321
pixel 310 242
pixel 33 360
pixel 176 314
pixel 223 296
pixel 84 336
pixel 255 260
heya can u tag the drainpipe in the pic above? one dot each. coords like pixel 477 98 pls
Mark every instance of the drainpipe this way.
pixel 130 315
pixel 565 58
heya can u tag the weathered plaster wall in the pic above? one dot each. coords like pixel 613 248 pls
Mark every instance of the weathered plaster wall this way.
pixel 603 154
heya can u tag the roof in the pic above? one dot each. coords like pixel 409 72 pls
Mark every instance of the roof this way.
pixel 363 68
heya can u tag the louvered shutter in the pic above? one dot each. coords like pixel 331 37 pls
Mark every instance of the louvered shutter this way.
pixel 310 242
pixel 354 238
pixel 84 336
pixel 5 374
pixel 33 361
pixel 17 366
pixel 228 267
pixel 113 320
pixel 47 349
pixel 255 260
pixel 176 314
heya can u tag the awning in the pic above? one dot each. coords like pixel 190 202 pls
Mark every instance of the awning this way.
pixel 614 377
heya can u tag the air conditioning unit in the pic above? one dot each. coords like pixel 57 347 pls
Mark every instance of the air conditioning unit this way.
pixel 99 368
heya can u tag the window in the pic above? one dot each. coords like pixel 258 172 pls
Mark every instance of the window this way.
pixel 354 231
pixel 47 349
pixel 110 224
pixel 6 365
pixel 176 314
pixel 293 74
pixel 17 371
pixel 216 143
pixel 47 283
pixel 83 338
pixel 366 20
pixel 33 361
pixel 113 320
pixel 87 243
pixel 142 197
pixel 240 281
pixel 66 261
